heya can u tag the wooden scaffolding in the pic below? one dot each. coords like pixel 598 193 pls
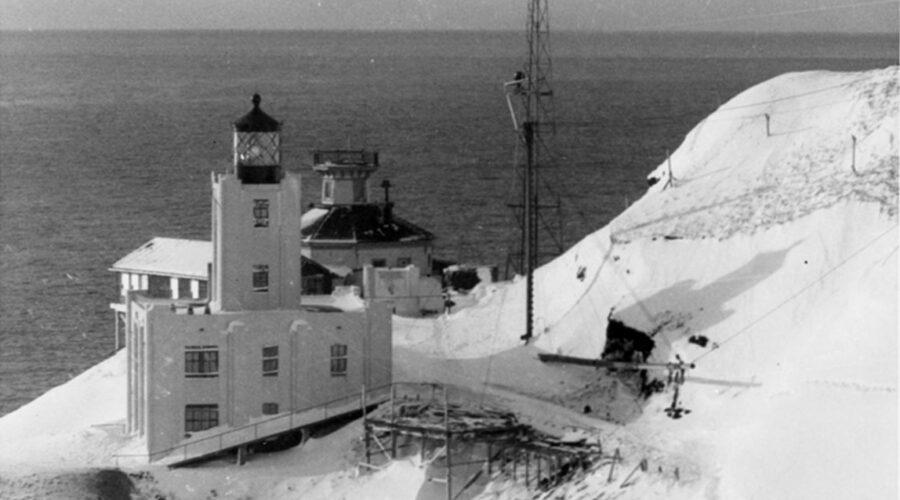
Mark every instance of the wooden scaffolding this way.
pixel 449 435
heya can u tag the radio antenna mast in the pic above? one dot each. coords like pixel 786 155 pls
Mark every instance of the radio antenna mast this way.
pixel 532 87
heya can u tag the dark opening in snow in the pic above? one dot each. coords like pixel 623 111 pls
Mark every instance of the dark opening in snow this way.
pixel 624 343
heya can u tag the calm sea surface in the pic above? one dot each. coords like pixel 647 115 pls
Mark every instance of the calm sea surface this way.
pixel 107 139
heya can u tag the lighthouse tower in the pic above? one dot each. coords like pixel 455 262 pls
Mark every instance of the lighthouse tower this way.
pixel 256 222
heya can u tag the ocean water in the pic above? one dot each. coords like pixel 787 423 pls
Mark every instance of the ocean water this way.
pixel 108 138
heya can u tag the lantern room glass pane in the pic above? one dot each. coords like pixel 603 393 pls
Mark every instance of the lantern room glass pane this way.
pixel 257 148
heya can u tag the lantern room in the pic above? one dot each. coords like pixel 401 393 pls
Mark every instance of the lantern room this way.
pixel 257 147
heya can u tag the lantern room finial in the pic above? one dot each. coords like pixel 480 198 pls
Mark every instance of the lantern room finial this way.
pixel 256 100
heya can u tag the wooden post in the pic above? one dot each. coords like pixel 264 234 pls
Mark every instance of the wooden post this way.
pixel 489 459
pixel 612 465
pixel 669 162
pixel 514 464
pixel 853 160
pixel 449 454
pixel 768 132
pixel 527 468
pixel 393 429
pixel 365 425
pixel 642 465
pixel 424 444
pixel 538 482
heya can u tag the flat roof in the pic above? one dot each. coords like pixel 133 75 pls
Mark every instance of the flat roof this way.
pixel 173 257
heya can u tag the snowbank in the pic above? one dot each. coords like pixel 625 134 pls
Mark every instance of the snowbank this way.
pixel 78 424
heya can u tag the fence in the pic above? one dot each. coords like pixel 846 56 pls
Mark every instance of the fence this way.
pixel 268 428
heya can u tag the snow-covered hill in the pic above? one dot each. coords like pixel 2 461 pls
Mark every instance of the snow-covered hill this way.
pixel 779 247
pixel 771 234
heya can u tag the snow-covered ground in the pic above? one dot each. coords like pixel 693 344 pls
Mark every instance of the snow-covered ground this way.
pixel 771 233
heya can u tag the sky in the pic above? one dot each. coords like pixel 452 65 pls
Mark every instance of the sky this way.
pixel 838 16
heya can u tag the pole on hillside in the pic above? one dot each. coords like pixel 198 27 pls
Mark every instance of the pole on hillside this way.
pixel 853 157
pixel 671 179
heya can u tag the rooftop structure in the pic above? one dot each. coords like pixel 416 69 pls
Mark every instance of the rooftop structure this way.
pixel 348 229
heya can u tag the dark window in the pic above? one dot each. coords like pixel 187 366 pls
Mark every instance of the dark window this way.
pixel 379 262
pixel 338 360
pixel 200 417
pixel 270 408
pixel 260 278
pixel 270 361
pixel 201 361
pixel 159 286
pixel 184 289
pixel 260 213
pixel 202 289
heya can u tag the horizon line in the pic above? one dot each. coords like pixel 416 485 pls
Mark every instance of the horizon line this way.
pixel 449 30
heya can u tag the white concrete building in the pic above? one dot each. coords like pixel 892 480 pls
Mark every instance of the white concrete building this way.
pixel 251 362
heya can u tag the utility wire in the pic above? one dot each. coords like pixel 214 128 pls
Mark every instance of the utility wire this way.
pixel 797 293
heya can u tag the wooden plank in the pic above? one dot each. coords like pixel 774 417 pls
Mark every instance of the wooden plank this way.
pixel 600 363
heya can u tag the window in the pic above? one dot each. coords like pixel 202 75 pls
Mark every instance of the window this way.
pixel 328 190
pixel 159 286
pixel 202 289
pixel 201 361
pixel 270 408
pixel 184 289
pixel 260 278
pixel 338 360
pixel 270 361
pixel 379 262
pixel 200 417
pixel 260 213
pixel 403 261
pixel 258 148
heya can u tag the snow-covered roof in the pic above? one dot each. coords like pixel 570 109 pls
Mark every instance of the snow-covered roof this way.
pixel 311 216
pixel 360 223
pixel 168 257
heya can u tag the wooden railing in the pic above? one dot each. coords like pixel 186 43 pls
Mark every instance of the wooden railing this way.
pixel 270 427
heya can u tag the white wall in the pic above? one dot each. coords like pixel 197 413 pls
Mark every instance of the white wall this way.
pixel 160 389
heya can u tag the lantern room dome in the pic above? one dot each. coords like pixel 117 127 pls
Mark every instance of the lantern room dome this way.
pixel 257 120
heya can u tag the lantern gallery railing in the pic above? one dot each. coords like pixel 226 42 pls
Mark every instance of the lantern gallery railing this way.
pixel 345 157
